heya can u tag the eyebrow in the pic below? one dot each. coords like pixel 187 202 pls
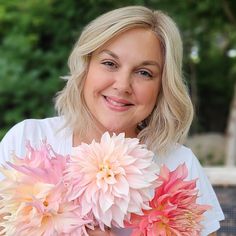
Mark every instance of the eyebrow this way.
pixel 144 63
pixel 110 53
pixel 151 63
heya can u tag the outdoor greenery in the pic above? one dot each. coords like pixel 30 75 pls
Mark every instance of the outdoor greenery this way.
pixel 36 37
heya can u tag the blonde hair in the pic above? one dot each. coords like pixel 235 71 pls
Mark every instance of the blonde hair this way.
pixel 172 116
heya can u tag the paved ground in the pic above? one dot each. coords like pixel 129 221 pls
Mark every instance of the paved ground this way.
pixel 227 198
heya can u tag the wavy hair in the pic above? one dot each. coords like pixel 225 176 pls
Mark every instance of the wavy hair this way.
pixel 171 118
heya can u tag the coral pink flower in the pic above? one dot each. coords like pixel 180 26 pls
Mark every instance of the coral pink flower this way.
pixel 32 197
pixel 112 178
pixel 174 209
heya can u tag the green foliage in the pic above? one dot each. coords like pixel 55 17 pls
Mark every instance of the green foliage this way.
pixel 36 37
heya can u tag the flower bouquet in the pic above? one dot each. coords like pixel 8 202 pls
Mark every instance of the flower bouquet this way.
pixel 113 183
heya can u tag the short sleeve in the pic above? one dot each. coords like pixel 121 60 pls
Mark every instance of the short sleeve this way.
pixel 207 196
pixel 35 131
pixel 11 142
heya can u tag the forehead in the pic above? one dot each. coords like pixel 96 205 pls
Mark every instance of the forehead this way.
pixel 142 42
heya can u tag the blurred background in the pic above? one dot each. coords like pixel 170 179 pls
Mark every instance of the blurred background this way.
pixel 36 37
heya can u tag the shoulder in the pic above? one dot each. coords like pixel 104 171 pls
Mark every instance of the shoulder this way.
pixel 183 155
pixel 32 129
pixel 45 125
pixel 35 131
pixel 177 156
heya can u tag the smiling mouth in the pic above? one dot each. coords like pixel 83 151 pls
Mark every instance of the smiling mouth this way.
pixel 117 102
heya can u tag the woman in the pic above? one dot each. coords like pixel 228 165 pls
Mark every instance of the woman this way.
pixel 125 76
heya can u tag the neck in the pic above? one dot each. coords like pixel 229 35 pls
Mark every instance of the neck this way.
pixel 95 134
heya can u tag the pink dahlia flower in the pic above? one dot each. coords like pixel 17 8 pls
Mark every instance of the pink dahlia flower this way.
pixel 174 209
pixel 112 178
pixel 32 197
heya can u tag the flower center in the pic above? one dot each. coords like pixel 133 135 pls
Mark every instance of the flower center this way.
pixel 103 167
pixel 45 203
pixel 106 175
pixel 106 169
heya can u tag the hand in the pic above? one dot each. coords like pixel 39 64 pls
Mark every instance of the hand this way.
pixel 98 232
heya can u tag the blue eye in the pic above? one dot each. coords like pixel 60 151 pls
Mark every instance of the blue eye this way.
pixel 145 73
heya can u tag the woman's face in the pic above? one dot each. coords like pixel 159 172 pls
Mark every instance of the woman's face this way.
pixel 123 81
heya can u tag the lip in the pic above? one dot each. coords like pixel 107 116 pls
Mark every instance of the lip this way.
pixel 117 104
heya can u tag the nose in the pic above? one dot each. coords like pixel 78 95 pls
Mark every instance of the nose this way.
pixel 123 82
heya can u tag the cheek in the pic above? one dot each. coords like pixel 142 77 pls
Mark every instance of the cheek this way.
pixel 87 89
pixel 90 78
pixel 91 83
pixel 96 80
pixel 147 95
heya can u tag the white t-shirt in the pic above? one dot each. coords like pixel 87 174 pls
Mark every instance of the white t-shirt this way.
pixel 61 141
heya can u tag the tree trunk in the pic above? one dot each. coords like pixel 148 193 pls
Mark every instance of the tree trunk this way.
pixel 231 134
